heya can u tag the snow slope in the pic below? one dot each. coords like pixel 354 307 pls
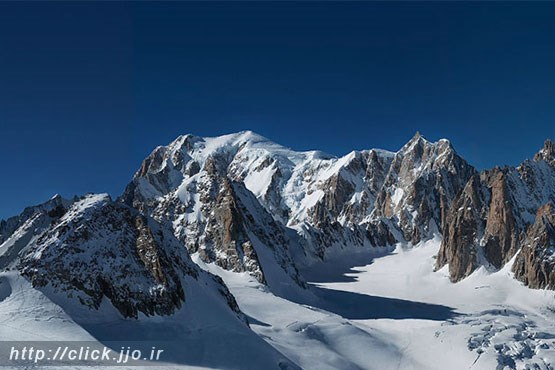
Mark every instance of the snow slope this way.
pixel 395 312
pixel 496 322
pixel 203 333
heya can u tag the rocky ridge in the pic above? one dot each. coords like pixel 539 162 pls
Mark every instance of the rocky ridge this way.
pixel 494 215
pixel 535 263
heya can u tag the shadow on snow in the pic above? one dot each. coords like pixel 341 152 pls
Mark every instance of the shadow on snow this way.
pixel 360 306
pixel 356 306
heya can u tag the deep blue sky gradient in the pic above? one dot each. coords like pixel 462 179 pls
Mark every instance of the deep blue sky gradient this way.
pixel 87 90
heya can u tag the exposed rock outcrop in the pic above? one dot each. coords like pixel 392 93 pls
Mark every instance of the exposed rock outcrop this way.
pixel 461 232
pixel 502 232
pixel 535 264
pixel 489 231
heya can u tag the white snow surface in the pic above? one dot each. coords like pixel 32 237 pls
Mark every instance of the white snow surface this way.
pixel 203 334
pixel 395 312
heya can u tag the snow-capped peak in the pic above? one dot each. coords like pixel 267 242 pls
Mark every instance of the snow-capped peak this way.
pixel 329 201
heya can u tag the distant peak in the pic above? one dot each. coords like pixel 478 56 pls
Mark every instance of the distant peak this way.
pixel 418 144
pixel 245 135
pixel 417 139
pixel 547 153
pixel 248 133
pixel 190 141
pixel 548 147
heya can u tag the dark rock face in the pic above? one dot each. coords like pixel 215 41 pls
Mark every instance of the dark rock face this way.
pixel 493 217
pixel 337 191
pixel 535 264
pixel 501 234
pixel 226 239
pixel 464 223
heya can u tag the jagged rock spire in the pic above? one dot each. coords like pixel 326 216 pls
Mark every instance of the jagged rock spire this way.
pixel 547 153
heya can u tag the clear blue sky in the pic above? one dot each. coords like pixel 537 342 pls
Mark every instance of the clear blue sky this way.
pixel 87 90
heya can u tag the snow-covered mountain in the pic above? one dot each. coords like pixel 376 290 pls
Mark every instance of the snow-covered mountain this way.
pixel 249 204
pixel 237 198
pixel 186 185
pixel 215 234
